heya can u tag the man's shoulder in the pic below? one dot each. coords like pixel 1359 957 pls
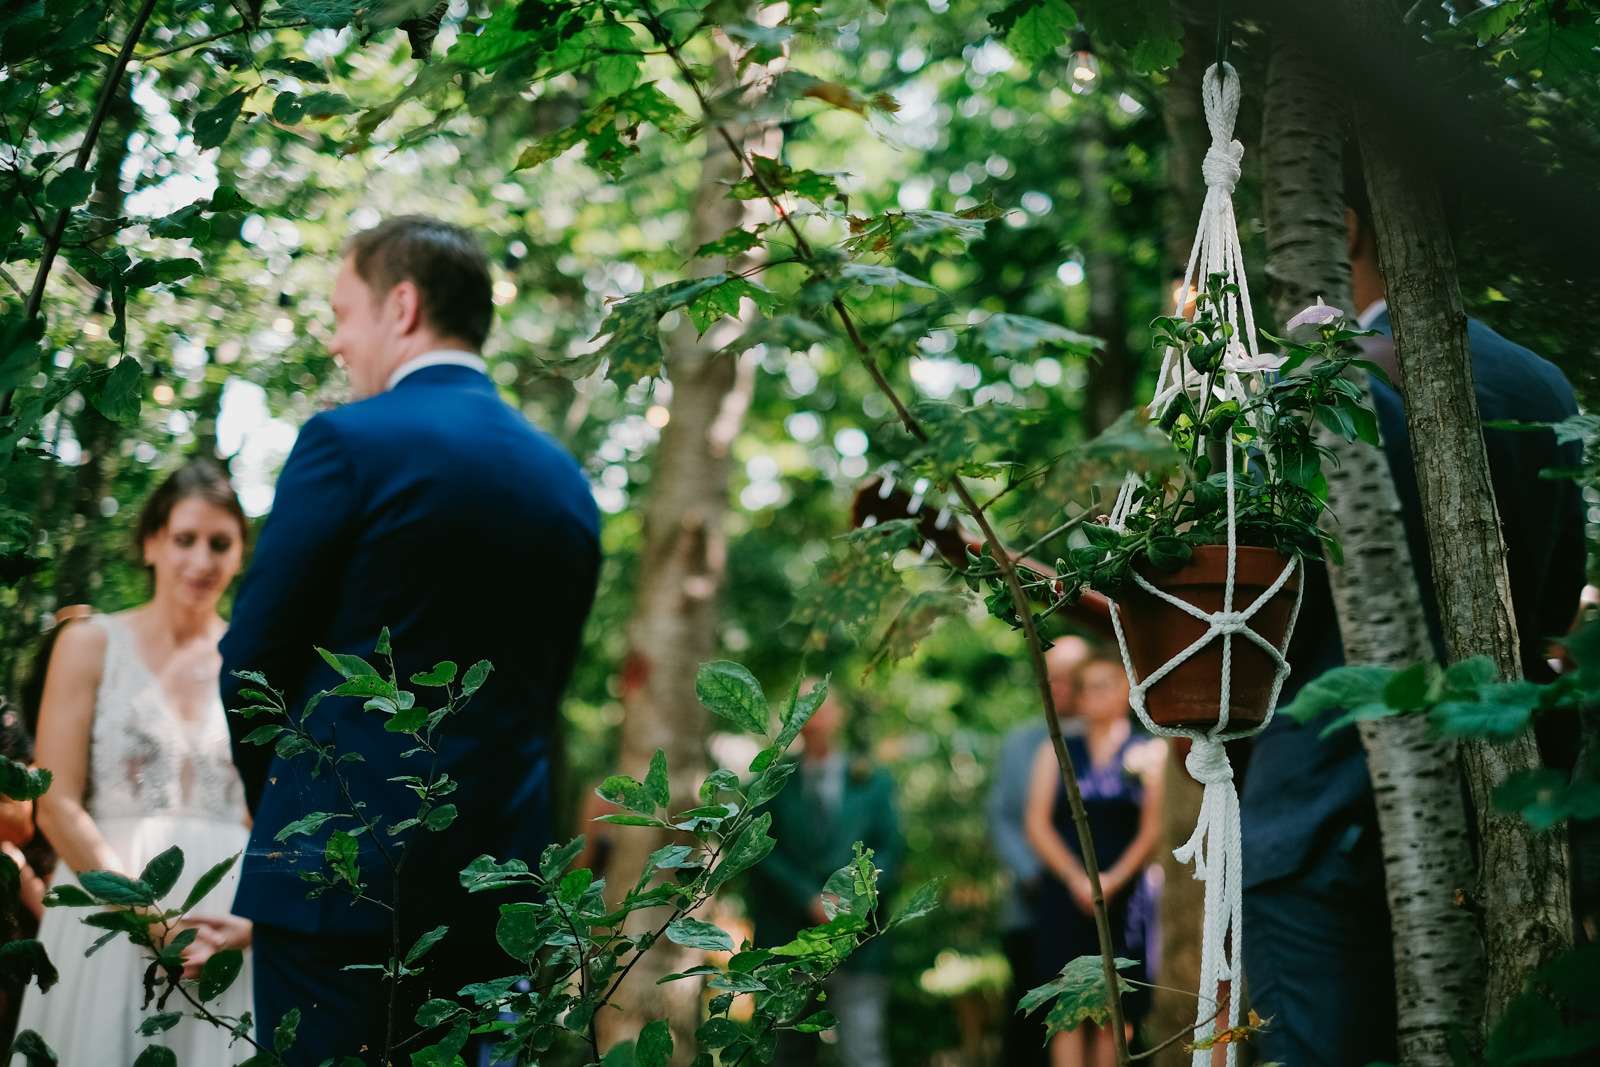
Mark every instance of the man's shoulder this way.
pixel 1511 374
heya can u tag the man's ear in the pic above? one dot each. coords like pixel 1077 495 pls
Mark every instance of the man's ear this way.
pixel 406 304
pixel 1352 232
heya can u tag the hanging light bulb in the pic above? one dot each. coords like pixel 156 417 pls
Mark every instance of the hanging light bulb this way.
pixel 1085 66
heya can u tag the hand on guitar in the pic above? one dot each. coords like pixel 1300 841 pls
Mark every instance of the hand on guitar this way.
pixel 879 500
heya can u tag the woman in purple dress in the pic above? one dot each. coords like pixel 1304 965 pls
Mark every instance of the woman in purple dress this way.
pixel 1119 775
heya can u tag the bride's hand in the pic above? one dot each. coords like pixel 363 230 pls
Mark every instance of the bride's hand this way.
pixel 213 934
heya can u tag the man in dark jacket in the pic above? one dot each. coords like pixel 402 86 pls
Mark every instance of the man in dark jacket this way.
pixel 431 507
pixel 1317 943
pixel 833 800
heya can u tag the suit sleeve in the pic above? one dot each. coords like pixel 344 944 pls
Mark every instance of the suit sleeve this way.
pixel 286 593
pixel 1007 800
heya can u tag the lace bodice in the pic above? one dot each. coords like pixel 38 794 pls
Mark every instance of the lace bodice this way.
pixel 144 760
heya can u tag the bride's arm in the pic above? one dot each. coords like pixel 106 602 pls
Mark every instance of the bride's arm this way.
pixel 66 719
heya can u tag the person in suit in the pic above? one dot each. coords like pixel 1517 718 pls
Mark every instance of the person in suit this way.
pixel 429 506
pixel 833 800
pixel 1008 808
pixel 1318 954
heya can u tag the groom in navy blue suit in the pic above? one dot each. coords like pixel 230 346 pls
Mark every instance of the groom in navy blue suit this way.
pixel 429 506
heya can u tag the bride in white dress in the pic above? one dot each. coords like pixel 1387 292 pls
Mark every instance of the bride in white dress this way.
pixel 131 725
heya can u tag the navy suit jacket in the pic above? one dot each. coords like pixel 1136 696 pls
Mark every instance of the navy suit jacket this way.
pixel 1304 793
pixel 436 510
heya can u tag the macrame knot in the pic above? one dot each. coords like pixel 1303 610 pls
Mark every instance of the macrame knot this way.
pixel 1230 622
pixel 1221 168
pixel 1208 763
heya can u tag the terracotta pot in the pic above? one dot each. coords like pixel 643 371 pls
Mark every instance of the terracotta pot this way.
pixel 1191 694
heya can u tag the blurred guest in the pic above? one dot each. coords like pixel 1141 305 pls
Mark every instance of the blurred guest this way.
pixel 833 800
pixel 20 919
pixel 1008 805
pixel 1119 776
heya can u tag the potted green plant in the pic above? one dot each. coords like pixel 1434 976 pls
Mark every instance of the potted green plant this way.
pixel 1217 401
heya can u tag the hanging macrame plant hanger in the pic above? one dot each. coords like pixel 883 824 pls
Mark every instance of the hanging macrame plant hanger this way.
pixel 1214 847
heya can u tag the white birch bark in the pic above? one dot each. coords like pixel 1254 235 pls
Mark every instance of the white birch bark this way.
pixel 1422 821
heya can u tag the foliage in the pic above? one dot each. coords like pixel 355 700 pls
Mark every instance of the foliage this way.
pixel 570 946
pixel 1079 995
pixel 1279 490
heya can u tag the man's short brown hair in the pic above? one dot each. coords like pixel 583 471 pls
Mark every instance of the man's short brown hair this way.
pixel 446 264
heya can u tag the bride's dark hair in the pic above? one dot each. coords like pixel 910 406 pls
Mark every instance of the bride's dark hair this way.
pixel 201 478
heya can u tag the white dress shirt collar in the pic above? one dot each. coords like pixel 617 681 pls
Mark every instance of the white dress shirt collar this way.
pixel 451 357
pixel 1371 313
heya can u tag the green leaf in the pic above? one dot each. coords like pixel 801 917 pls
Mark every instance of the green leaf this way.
pixel 323 14
pixel 308 825
pixel 156 1056
pixel 770 784
pixel 283 1034
pixel 778 178
pixel 1409 690
pixel 301 69
pixel 557 858
pixel 632 330
pixel 731 691
pixel 122 391
pixel 692 933
pixel 1012 335
pixel 443 674
pixel 922 901
pixel 747 850
pixel 69 188
pixel 724 300
pixel 1342 687
pixel 1079 994
pixel 1546 796
pixel 18 781
pixel 440 818
pixel 424 943
pixel 1040 29
pixel 109 887
pixel 520 931
pixel 654 1047
pixel 655 783
pixel 477 674
pixel 162 872
pixel 1502 711
pixel 24 959
pixel 209 881
pixel 31 1047
pixel 343 855
pixel 816 1022
pixel 159 1023
pixel 322 106
pixel 212 125
pixel 881 276
pixel 348 666
pixel 287 109
pixel 732 243
pixel 796 712
pixel 627 792
pixel 67 895
pixel 220 971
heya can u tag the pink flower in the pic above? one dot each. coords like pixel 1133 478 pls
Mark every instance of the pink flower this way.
pixel 1318 314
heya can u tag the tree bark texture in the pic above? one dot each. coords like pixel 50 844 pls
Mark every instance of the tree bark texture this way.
pixel 1113 369
pixel 1522 884
pixel 1416 785
pixel 673 628
pixel 1182 896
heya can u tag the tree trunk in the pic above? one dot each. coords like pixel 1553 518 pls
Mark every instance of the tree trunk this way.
pixel 674 623
pixel 1182 895
pixel 1113 369
pixel 1416 786
pixel 1522 883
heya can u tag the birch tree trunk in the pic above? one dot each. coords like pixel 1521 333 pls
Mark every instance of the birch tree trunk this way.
pixel 1522 885
pixel 1416 784
pixel 674 624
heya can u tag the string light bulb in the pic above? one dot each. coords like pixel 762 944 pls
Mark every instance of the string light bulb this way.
pixel 1085 65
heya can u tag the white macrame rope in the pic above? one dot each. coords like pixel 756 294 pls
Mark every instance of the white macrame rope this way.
pixel 1214 847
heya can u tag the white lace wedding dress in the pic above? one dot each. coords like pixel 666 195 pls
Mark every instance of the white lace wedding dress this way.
pixel 154 781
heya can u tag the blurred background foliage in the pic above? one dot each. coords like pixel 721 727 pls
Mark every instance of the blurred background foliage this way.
pixel 1076 141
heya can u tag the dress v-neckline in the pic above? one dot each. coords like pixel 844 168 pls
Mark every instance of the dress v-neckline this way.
pixel 186 726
